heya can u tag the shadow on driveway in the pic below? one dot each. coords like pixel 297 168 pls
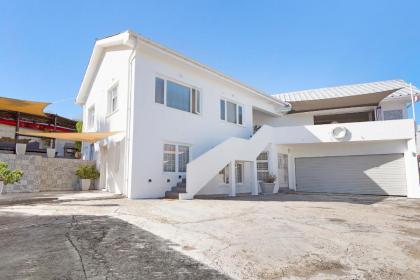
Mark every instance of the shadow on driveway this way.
pixel 87 247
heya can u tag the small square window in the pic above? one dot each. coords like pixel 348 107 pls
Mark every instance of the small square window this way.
pixel 113 99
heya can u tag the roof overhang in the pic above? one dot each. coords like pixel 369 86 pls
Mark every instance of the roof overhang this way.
pixel 130 39
pixel 362 100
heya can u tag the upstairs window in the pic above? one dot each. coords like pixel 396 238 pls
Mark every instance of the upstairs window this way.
pixel 177 96
pixel 91 116
pixel 393 115
pixel 231 112
pixel 113 99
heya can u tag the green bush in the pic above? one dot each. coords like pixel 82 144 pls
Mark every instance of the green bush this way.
pixel 8 176
pixel 86 171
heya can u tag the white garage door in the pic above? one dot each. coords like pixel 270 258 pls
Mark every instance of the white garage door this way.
pixel 370 174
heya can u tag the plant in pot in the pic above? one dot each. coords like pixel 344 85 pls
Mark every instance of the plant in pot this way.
pixel 86 173
pixel 78 144
pixel 8 176
pixel 267 185
pixel 21 146
pixel 47 143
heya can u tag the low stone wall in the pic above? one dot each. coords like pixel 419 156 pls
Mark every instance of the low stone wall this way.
pixel 44 174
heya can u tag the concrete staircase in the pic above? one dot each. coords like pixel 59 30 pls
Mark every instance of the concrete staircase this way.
pixel 181 187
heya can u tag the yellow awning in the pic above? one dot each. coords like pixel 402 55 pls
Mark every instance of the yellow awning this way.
pixel 90 137
pixel 23 106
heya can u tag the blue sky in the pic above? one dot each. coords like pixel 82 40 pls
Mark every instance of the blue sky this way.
pixel 272 45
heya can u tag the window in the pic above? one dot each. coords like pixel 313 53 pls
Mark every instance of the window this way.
pixel 262 166
pixel 177 96
pixel 231 112
pixel 91 116
pixel 159 91
pixel 222 110
pixel 113 99
pixel 175 157
pixel 169 158
pixel 239 172
pixel 393 115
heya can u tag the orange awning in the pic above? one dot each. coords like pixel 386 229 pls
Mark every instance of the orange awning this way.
pixel 23 106
pixel 90 137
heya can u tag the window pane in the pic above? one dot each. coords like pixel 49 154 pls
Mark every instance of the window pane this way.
pixel 240 114
pixel 91 116
pixel 239 173
pixel 183 158
pixel 114 99
pixel 159 90
pixel 169 158
pixel 393 115
pixel 194 101
pixel 263 156
pixel 197 103
pixel 178 96
pixel 222 110
pixel 231 112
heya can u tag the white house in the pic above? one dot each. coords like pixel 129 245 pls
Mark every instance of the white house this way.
pixel 180 119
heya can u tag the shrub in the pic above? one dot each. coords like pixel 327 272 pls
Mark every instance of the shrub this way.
pixel 270 179
pixel 86 171
pixel 8 176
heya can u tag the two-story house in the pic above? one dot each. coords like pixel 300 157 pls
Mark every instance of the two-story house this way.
pixel 189 130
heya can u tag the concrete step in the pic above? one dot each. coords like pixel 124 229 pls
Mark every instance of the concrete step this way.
pixel 172 195
pixel 179 189
pixel 181 184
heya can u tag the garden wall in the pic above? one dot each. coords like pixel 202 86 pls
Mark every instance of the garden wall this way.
pixel 42 174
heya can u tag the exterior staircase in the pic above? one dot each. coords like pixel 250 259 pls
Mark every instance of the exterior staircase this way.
pixel 181 187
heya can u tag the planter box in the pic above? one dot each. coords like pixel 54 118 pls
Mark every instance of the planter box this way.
pixel 20 149
pixel 51 152
pixel 85 184
pixel 267 188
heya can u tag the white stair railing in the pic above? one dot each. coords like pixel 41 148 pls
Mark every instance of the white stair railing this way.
pixel 202 169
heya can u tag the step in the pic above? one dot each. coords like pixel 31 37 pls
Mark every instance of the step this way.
pixel 172 195
pixel 181 184
pixel 179 189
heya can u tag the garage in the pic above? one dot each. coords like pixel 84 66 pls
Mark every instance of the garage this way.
pixel 368 174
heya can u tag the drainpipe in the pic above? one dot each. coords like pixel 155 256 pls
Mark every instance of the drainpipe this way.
pixel 128 130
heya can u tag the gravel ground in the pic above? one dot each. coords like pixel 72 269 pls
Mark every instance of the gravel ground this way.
pixel 287 236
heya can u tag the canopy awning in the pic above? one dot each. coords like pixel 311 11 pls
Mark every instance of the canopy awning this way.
pixel 23 106
pixel 90 137
pixel 362 100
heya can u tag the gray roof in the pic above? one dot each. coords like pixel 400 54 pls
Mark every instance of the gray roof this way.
pixel 402 90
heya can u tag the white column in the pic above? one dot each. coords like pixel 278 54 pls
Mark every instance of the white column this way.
pixel 254 178
pixel 273 165
pixel 291 170
pixel 412 169
pixel 232 178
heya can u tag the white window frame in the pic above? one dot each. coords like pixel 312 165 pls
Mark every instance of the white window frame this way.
pixel 176 156
pixel 262 161
pixel 237 111
pixel 110 97
pixel 225 174
pixel 91 117
pixel 198 101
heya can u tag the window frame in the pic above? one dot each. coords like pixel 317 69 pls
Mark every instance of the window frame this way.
pixel 114 86
pixel 91 117
pixel 259 171
pixel 176 144
pixel 225 174
pixel 195 109
pixel 237 105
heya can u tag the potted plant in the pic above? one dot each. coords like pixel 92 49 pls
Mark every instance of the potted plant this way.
pixel 86 173
pixel 267 185
pixel 78 144
pixel 8 176
pixel 21 146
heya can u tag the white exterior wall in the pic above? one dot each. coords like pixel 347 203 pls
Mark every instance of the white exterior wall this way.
pixel 111 159
pixel 155 124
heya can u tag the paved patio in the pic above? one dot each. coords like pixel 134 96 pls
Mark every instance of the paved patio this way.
pixel 266 237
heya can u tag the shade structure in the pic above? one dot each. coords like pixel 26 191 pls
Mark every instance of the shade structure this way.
pixel 90 137
pixel 23 106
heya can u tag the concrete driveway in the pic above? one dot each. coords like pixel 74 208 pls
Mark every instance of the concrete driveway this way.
pixel 267 237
